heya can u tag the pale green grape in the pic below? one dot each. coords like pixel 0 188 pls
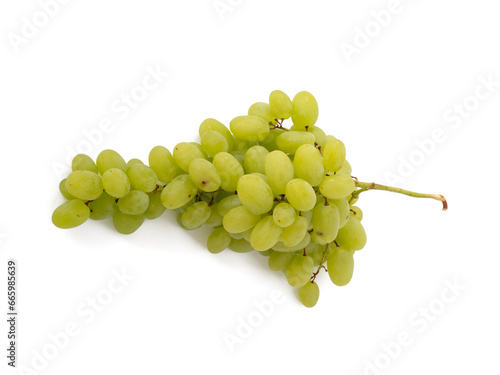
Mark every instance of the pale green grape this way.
pixel 265 234
pixel 254 159
pixel 340 265
pixel 237 236
pixel 279 170
pixel 213 142
pixel 319 253
pixel 249 128
pixel 127 224
pixel 142 178
pixel 304 242
pixel 343 206
pixel 352 236
pixel 247 235
pixel 198 146
pixel 356 212
pixel 214 220
pixel 337 186
pixel 325 222
pixel 163 164
pixel 304 109
pixel 196 215
pixel 82 162
pixel 213 124
pixel 204 175
pixel 255 195
pixel 136 202
pixel 84 185
pixel 230 170
pixel 64 191
pixel 299 270
pixel 70 214
pixel 228 203
pixel 319 136
pixel 280 104
pixel 116 182
pixel 155 208
pixel 300 194
pixel 178 192
pixel 309 294
pixel 103 207
pixel 278 260
pixel 334 153
pixel 295 233
pixel 290 141
pixel 184 153
pixel 240 246
pixel 284 214
pixel 270 142
pixel 240 155
pixel 218 240
pixel 262 110
pixel 133 162
pixel 239 219
pixel 347 166
pixel 110 159
pixel 308 164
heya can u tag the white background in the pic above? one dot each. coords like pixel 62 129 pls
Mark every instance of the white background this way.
pixel 397 90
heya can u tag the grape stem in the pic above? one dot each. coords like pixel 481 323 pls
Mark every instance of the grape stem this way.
pixel 365 186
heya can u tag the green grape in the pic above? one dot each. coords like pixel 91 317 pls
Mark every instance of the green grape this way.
pixel 213 142
pixel 295 233
pixel 186 152
pixel 239 219
pixel 214 220
pixel 308 164
pixel 309 294
pixel 212 124
pixel 218 240
pixel 64 191
pixel 325 222
pixel 356 212
pixel 290 141
pixel 340 265
pixel 299 270
pixel 237 236
pixel 84 185
pixel 136 202
pixel 319 136
pixel 110 159
pixel 103 207
pixel 163 164
pixel 319 253
pixel 270 142
pixel 300 194
pixel 265 234
pixel 255 194
pixel 280 104
pixel 133 162
pixel 249 128
pixel 334 153
pixel 198 146
pixel 337 186
pixel 196 215
pixel 240 156
pixel 279 170
pixel 116 182
pixel 127 224
pixel 82 162
pixel 240 246
pixel 352 236
pixel 343 206
pixel 254 159
pixel 304 109
pixel 70 214
pixel 247 235
pixel 230 170
pixel 204 175
pixel 284 214
pixel 178 192
pixel 155 208
pixel 142 178
pixel 347 166
pixel 262 110
pixel 228 203
pixel 278 261
pixel 304 242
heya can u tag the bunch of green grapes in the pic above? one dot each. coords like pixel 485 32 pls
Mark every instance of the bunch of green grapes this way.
pixel 284 192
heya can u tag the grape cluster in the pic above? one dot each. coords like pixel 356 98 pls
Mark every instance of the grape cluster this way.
pixel 286 193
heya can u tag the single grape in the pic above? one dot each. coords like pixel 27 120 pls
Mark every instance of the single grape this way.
pixel 178 192
pixel 218 240
pixel 103 207
pixel 70 214
pixel 300 194
pixel 343 206
pixel 325 222
pixel 337 186
pixel 163 164
pixel 136 202
pixel 294 233
pixel 239 219
pixel 254 159
pixel 84 185
pixel 230 170
pixel 280 104
pixel 290 141
pixel 278 260
pixel 64 191
pixel 255 194
pixel 196 215
pixel 116 182
pixel 142 178
pixel 304 109
pixel 127 224
pixel 309 294
pixel 204 175
pixel 356 212
pixel 284 214
pixel 213 124
pixel 352 236
pixel 184 153
pixel 213 142
pixel 340 265
pixel 299 270
pixel 240 246
pixel 110 159
pixel 262 110
pixel 249 128
pixel 304 242
pixel 214 220
pixel 319 136
pixel 265 234
pixel 334 153
pixel 82 162
pixel 228 203
pixel 155 208
pixel 279 170
pixel 134 161
pixel 308 164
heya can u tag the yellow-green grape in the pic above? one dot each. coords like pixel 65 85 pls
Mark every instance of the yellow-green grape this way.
pixel 347 166
pixel 280 104
pixel 142 178
pixel 308 164
pixel 239 155
pixel 254 159
pixel 319 253
pixel 325 222
pixel 178 192
pixel 247 235
pixel 84 185
pixel 290 141
pixel 103 207
pixel 237 236
pixel 230 170
pixel 228 203
pixel 198 146
pixel 337 186
pixel 213 142
pixel 127 224
pixel 279 170
pixel 163 164
pixel 309 294
pixel 133 162
pixel 340 265
pixel 64 191
pixel 334 153
pixel 195 215
pixel 262 110
pixel 270 142
pixel 280 246
pixel 352 236
pixel 218 240
pixel 278 260
pixel 214 220
pixel 343 206
pixel 294 233
pixel 213 124
pixel 240 246
pixel 330 138
pixel 204 175
pixel 299 270
pixel 116 182
pixel 82 162
pixel 136 202
pixel 300 194
pixel 304 109
pixel 239 219
pixel 70 214
pixel 284 214
pixel 265 234
pixel 155 208
pixel 356 212
pixel 110 159
pixel 184 153
pixel 249 128
pixel 319 136
pixel 255 194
